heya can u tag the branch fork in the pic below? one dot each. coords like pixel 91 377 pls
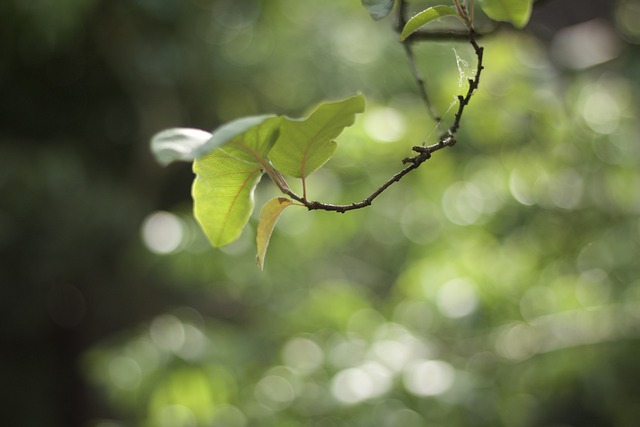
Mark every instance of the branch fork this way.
pixel 446 139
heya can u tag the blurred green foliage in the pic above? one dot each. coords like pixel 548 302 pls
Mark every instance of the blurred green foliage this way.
pixel 497 285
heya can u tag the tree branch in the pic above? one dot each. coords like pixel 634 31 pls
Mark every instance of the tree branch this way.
pixel 447 139
pixel 424 153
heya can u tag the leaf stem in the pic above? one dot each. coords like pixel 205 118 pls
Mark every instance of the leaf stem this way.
pixel 421 83
pixel 461 11
pixel 304 187
pixel 277 178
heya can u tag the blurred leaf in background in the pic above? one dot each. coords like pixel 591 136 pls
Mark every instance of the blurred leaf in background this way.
pixel 497 285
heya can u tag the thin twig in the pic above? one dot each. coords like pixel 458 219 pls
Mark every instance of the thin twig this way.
pixel 424 153
pixel 408 50
pixel 461 11
pixel 463 101
pixel 421 83
pixel 472 10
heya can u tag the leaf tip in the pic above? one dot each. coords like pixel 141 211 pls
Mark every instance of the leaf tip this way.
pixel 269 215
pixel 260 262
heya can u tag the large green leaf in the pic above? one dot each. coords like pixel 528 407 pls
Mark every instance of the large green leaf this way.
pixel 517 12
pixel 227 176
pixel 269 215
pixel 306 144
pixel 426 16
pixel 378 9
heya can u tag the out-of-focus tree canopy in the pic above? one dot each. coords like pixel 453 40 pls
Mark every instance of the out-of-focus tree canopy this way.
pixel 499 285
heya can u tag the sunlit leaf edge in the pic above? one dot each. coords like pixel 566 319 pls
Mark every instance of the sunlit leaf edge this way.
pixel 426 16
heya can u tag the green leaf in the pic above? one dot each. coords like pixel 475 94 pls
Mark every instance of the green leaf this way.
pixel 426 16
pixel 269 215
pixel 305 145
pixel 230 130
pixel 517 12
pixel 227 176
pixel 178 144
pixel 378 9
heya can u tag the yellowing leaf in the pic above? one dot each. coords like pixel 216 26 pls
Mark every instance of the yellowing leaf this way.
pixel 269 215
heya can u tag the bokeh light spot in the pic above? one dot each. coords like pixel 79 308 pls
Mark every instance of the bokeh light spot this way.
pixel 125 373
pixel 275 392
pixel 351 386
pixel 600 109
pixel 162 232
pixel 302 354
pixel 428 377
pixel 518 341
pixel 194 343
pixel 566 191
pixel 393 354
pixel 385 125
pixel 355 385
pixel 144 351
pixel 457 298
pixel 521 189
pixel 346 352
pixel 463 203
pixel 419 222
pixel 167 332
